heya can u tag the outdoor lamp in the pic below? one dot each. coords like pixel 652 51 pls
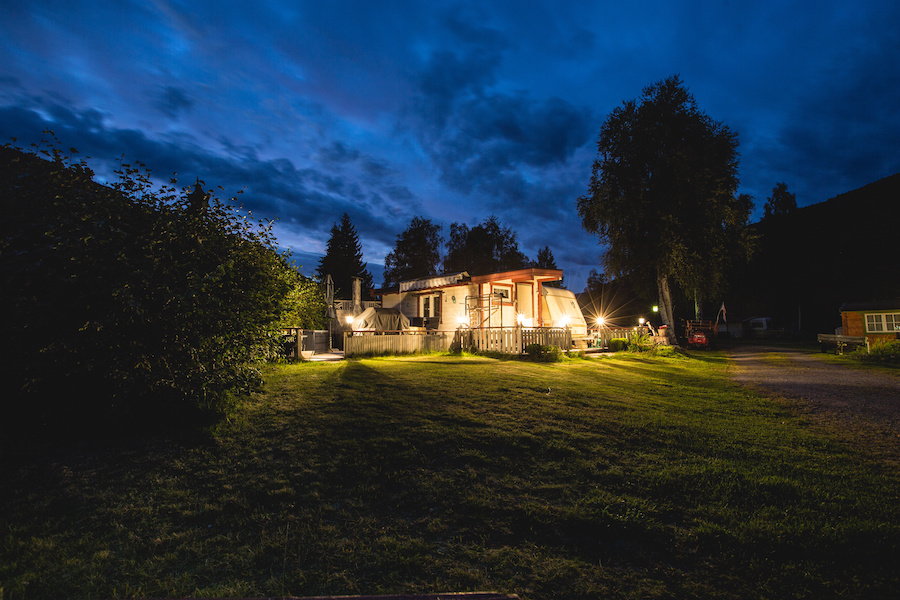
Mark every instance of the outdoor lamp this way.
pixel 520 318
pixel 564 322
pixel 642 320
pixel 461 320
pixel 349 319
pixel 655 308
pixel 600 321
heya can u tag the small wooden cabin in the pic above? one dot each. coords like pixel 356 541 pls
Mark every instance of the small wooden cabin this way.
pixel 873 320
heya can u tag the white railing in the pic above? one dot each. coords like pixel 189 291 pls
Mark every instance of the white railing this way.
pixel 396 342
pixel 505 340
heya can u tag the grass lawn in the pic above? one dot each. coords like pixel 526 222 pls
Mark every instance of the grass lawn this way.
pixel 620 477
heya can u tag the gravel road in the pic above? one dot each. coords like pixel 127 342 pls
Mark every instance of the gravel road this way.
pixel 819 386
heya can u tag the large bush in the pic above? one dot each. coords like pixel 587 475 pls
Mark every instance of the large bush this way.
pixel 120 302
pixel 541 353
pixel 882 351
pixel 618 344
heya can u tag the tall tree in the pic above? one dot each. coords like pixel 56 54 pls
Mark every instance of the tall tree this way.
pixel 343 260
pixel 662 193
pixel 485 248
pixel 781 202
pixel 417 252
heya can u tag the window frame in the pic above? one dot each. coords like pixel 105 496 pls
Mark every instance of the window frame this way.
pixel 878 322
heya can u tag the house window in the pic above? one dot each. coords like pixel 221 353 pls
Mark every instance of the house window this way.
pixel 502 293
pixel 892 322
pixel 882 322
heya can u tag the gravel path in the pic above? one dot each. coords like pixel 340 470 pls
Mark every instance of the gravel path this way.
pixel 820 387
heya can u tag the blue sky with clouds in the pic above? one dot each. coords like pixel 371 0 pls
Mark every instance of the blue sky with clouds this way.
pixel 453 111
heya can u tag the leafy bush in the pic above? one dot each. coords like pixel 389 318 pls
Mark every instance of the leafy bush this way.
pixel 667 351
pixel 124 303
pixel 304 304
pixel 618 344
pixel 882 351
pixel 539 353
pixel 641 343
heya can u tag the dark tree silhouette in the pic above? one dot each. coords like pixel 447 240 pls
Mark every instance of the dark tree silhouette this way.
pixel 662 193
pixel 485 248
pixel 417 253
pixel 343 260
pixel 781 202
pixel 545 260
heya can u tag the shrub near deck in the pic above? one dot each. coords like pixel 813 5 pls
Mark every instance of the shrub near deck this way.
pixel 621 477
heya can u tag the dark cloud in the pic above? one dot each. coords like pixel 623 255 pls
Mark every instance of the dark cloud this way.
pixel 172 101
pixel 309 199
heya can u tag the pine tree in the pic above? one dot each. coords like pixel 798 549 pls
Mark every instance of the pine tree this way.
pixel 343 260
pixel 545 260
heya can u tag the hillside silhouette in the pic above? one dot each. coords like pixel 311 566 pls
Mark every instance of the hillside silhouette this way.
pixel 813 259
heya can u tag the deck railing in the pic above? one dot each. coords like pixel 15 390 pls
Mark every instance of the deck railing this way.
pixel 505 340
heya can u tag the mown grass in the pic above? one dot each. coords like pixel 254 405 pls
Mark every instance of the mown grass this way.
pixel 624 477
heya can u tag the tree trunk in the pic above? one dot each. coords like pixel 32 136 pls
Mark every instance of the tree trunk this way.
pixel 666 310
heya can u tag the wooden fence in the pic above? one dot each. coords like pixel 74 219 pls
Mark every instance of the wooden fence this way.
pixel 396 342
pixel 303 343
pixel 506 340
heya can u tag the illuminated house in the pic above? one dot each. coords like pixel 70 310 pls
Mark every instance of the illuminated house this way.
pixel 508 299
pixel 873 320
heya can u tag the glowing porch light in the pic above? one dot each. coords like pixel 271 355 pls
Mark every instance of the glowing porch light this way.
pixel 462 320
pixel 641 321
pixel 600 321
pixel 520 318
pixel 349 319
pixel 564 321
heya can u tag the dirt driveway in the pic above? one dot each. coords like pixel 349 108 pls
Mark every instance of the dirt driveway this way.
pixel 815 385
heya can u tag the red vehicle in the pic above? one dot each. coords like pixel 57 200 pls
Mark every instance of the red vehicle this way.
pixel 700 333
pixel 698 339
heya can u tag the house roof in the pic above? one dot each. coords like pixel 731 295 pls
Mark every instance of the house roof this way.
pixel 521 275
pixel 892 305
pixel 448 279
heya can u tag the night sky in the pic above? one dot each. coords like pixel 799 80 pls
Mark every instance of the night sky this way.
pixel 453 111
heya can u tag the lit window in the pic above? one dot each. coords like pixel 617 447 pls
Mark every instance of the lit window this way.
pixel 873 323
pixel 876 323
pixel 892 322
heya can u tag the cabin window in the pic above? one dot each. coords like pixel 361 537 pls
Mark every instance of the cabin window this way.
pixel 882 322
pixel 502 293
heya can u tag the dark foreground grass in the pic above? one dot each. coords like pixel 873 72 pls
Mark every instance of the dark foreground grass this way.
pixel 623 477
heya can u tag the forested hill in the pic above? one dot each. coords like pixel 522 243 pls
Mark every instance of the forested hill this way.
pixel 816 258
